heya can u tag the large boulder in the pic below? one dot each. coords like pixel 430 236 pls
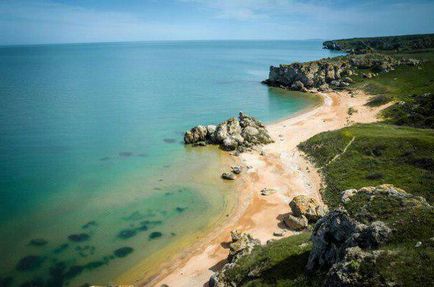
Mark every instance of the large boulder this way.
pixel 233 134
pixel 302 205
pixel 336 232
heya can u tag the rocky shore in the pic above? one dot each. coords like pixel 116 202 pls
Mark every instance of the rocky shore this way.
pixel 346 242
pixel 333 73
pixel 235 134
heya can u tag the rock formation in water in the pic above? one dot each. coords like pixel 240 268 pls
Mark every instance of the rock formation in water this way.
pixel 328 74
pixel 234 134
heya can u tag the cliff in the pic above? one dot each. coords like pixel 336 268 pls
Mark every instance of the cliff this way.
pixel 333 73
pixel 391 43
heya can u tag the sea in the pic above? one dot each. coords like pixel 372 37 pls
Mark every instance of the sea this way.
pixel 94 177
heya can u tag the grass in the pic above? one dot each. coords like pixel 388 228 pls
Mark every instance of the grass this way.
pixel 379 154
pixel 403 81
pixel 416 112
pixel 400 261
pixel 280 263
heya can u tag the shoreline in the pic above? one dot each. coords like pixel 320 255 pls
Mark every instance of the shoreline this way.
pixel 281 167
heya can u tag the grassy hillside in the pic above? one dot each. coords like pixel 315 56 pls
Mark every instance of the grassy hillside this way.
pixel 402 82
pixel 398 151
pixel 379 154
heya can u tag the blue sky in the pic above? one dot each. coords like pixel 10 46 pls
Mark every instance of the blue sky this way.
pixel 66 21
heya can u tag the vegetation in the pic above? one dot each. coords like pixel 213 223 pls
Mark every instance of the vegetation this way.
pixel 418 112
pixel 408 257
pixel 395 43
pixel 379 154
pixel 281 263
pixel 398 151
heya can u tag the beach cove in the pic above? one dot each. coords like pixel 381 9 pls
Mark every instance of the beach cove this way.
pixel 279 166
pixel 97 163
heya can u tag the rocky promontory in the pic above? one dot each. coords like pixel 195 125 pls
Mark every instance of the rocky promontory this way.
pixel 390 43
pixel 238 134
pixel 332 73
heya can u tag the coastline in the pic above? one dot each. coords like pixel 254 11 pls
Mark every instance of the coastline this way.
pixel 281 167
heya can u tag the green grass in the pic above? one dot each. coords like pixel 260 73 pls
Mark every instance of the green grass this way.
pixel 403 81
pixel 281 263
pixel 400 261
pixel 379 154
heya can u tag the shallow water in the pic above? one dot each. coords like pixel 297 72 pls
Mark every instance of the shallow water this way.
pixel 90 144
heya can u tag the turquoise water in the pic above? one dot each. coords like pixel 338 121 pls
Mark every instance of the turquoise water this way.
pixel 91 133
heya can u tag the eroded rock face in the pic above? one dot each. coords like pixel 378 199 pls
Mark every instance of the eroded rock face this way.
pixel 331 73
pixel 233 134
pixel 302 205
pixel 355 270
pixel 242 245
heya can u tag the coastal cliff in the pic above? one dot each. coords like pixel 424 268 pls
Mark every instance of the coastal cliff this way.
pixel 391 43
pixel 333 73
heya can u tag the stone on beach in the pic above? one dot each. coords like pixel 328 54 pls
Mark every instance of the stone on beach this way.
pixel 228 176
pixel 302 205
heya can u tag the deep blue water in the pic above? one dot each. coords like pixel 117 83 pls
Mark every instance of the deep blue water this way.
pixel 85 128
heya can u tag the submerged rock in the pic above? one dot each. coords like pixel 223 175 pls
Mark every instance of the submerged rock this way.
pixel 234 134
pixel 29 263
pixel 79 237
pixel 38 242
pixel 123 251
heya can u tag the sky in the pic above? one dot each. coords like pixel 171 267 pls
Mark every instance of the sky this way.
pixel 80 21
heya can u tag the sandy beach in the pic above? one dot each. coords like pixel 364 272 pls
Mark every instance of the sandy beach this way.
pixel 279 166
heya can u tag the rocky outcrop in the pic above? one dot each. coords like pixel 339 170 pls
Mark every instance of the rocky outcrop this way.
pixel 334 73
pixel 336 232
pixel 234 134
pixel 302 205
pixel 347 246
pixel 241 245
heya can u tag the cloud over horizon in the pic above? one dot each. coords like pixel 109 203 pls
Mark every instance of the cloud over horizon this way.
pixel 61 21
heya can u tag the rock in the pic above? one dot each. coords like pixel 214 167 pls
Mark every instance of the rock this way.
pixel 267 191
pixel 295 223
pixel 279 233
pixel 232 135
pixel 333 72
pixel 357 269
pixel 297 85
pixel 237 169
pixel 228 176
pixel 242 244
pixel 196 134
pixel 347 194
pixel 418 244
pixel 307 206
pixel 201 143
pixel 329 239
pixel 334 233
